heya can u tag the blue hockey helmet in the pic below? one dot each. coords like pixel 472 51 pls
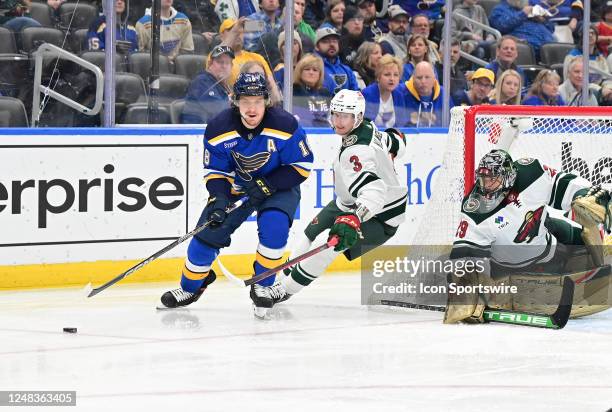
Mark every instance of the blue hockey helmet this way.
pixel 251 84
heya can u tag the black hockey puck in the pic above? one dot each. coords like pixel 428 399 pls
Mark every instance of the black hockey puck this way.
pixel 70 330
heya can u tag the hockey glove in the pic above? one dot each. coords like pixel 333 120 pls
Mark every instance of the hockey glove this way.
pixel 595 205
pixel 215 210
pixel 348 229
pixel 259 190
pixel 394 137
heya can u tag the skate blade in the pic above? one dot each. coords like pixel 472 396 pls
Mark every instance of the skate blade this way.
pixel 260 313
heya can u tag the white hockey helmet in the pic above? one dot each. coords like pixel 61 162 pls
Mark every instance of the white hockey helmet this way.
pixel 349 101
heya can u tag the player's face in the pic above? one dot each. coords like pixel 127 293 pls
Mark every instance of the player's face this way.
pixel 252 110
pixel 491 184
pixel 343 122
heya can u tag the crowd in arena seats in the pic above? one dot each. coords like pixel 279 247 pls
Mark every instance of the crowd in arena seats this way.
pixel 394 59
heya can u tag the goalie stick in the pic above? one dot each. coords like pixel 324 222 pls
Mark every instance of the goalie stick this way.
pixel 94 291
pixel 330 243
pixel 557 320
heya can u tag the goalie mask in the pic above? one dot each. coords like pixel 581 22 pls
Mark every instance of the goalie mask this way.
pixel 350 102
pixel 495 176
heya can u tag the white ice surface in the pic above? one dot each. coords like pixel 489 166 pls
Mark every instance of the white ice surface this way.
pixel 321 351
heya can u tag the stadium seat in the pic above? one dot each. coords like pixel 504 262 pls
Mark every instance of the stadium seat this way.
pixel 14 74
pixel 172 87
pixel 75 16
pixel 140 64
pixel 138 113
pixel 98 58
pixel 176 109
pixel 488 5
pixel 129 89
pixel 558 67
pixel 32 37
pixel 12 113
pixel 200 44
pixel 554 53
pixel 531 72
pixel 189 65
pixel 7 41
pixel 78 40
pixel 42 14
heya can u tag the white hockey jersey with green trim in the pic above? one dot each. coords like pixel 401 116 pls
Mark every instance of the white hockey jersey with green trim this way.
pixel 364 175
pixel 513 234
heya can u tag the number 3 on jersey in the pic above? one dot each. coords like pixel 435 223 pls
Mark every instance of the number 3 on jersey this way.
pixel 463 226
pixel 355 161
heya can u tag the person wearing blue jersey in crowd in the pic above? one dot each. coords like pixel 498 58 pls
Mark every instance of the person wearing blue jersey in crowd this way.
pixel 338 76
pixel 252 150
pixel 127 39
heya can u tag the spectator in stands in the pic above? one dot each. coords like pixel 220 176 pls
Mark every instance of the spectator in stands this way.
pixel 604 31
pixel 367 10
pixel 418 51
pixel 385 104
pixel 254 66
pixel 306 31
pixel 352 35
pixel 507 89
pixel 506 54
pixel 208 93
pixel 423 97
pixel 55 4
pixel 474 40
pixel 419 24
pixel 334 15
pixel 457 76
pixel 232 35
pixel 279 70
pixel 545 90
pixel 310 98
pixel 571 89
pixel 338 76
pixel 564 15
pixel 432 9
pixel 314 13
pixel 524 22
pixel 395 41
pixel 127 39
pixel 482 82
pixel 17 17
pixel 269 14
pixel 175 31
pixel 596 59
pixel 605 95
pixel 234 9
pixel 368 56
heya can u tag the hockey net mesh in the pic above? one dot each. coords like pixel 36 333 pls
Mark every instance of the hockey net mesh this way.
pixel 577 140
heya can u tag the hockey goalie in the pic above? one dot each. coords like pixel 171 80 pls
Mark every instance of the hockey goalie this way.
pixel 532 225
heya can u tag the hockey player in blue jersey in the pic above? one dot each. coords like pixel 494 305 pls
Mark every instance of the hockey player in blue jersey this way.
pixel 251 150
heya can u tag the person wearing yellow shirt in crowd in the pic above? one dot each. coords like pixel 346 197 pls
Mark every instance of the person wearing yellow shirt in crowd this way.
pixel 232 35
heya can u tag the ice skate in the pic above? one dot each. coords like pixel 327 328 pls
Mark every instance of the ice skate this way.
pixel 178 297
pixel 265 297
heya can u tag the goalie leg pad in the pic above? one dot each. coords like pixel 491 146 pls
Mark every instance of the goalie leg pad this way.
pixel 465 307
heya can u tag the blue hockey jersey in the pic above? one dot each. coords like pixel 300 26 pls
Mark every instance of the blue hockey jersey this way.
pixel 238 154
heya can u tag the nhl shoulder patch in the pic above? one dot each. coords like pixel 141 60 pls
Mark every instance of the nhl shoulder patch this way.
pixel 471 205
pixel 526 161
pixel 349 140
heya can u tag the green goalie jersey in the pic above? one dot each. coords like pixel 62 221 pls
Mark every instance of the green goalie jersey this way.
pixel 513 233
pixel 365 177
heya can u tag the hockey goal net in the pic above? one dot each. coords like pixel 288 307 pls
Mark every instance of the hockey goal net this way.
pixel 570 139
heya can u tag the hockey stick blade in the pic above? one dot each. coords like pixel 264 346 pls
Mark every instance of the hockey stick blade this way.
pixel 557 320
pixel 235 279
pixel 198 229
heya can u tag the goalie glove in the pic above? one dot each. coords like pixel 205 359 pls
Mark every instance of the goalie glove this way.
pixel 595 205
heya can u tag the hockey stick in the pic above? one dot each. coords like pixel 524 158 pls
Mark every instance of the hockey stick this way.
pixel 94 291
pixel 557 320
pixel 330 243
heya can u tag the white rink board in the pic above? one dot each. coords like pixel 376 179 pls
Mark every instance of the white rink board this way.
pixel 49 215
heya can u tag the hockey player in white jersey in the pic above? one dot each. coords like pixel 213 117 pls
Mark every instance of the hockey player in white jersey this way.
pixel 506 221
pixel 370 197
pixel 506 215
